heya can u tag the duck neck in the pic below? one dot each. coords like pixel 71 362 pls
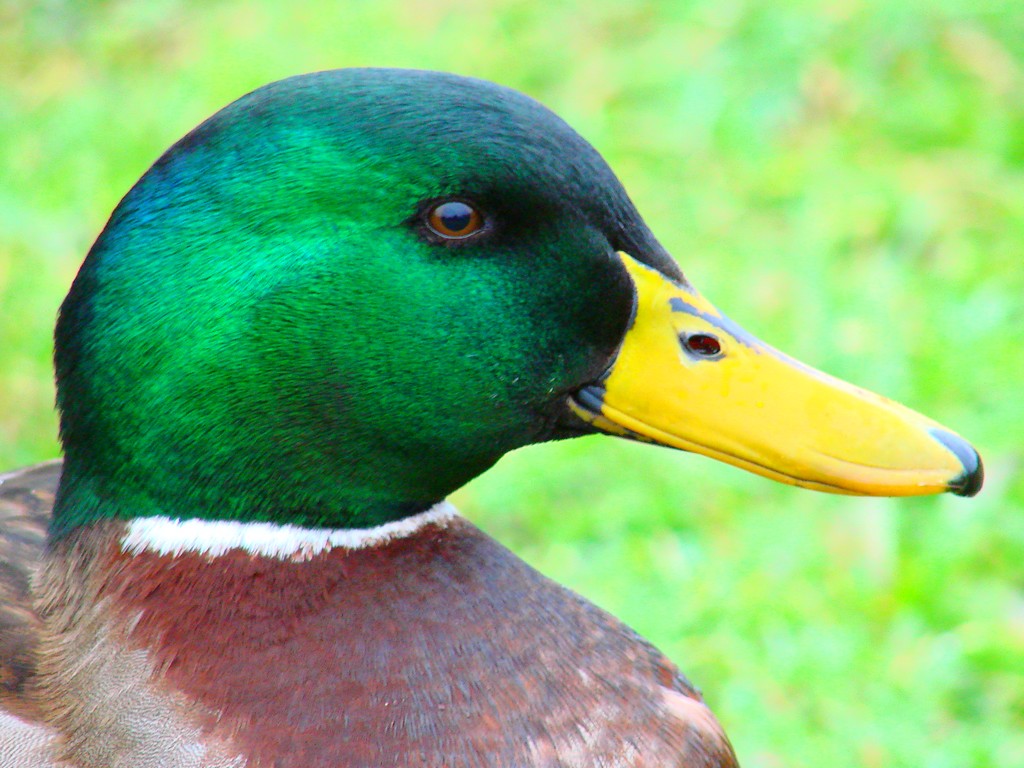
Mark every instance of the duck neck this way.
pixel 236 496
pixel 171 536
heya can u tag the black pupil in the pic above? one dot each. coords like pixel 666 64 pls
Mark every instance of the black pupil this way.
pixel 703 344
pixel 456 217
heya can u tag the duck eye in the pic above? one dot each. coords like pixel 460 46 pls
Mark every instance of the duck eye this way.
pixel 454 220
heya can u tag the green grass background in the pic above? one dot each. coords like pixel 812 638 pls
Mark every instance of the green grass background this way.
pixel 844 178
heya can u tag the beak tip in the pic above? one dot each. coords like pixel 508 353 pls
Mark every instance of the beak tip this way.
pixel 968 482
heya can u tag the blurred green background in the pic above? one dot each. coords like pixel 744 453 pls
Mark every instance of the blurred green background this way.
pixel 846 179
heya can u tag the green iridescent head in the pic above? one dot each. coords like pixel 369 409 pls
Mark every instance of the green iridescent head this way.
pixel 269 327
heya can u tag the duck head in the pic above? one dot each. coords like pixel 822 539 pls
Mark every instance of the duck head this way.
pixel 348 293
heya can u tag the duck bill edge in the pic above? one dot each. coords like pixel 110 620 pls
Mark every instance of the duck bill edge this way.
pixel 687 377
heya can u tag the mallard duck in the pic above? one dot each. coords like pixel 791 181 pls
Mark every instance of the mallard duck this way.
pixel 316 316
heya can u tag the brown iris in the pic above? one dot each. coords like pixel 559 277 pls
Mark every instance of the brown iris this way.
pixel 454 220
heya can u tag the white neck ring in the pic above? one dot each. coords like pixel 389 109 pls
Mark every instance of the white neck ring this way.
pixel 213 538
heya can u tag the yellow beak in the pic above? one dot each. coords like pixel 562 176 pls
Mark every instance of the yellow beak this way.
pixel 688 377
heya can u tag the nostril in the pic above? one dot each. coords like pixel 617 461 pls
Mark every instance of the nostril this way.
pixel 701 344
pixel 968 482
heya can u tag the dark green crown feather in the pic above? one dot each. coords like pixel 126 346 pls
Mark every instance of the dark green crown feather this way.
pixel 267 330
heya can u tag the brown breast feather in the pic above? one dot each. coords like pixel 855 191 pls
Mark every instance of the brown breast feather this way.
pixel 440 650
pixel 443 649
pixel 26 498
